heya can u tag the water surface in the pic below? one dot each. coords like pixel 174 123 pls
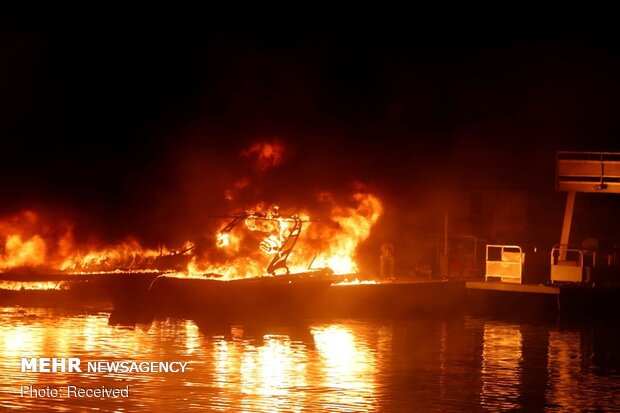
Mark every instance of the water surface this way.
pixel 422 364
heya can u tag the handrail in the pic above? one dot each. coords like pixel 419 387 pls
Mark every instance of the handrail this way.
pixel 581 155
pixel 569 270
pixel 509 267
pixel 563 249
pixel 503 247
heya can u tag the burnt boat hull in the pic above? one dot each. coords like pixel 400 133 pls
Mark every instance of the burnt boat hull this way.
pixel 57 289
pixel 266 297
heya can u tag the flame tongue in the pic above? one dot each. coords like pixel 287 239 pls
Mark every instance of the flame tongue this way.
pixel 354 225
pixel 23 253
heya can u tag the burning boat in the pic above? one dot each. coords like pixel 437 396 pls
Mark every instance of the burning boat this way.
pixel 279 291
pixel 258 259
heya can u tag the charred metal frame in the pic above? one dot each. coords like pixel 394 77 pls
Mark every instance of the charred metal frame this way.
pixel 284 250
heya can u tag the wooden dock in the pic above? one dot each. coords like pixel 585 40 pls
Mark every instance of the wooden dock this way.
pixel 131 292
pixel 575 300
pixel 513 288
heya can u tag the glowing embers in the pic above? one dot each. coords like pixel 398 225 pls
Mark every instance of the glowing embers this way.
pixel 357 282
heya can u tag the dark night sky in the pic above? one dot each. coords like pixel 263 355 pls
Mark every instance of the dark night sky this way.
pixel 136 126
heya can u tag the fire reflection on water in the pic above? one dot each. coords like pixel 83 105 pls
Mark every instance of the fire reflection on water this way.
pixel 342 366
pixel 349 365
pixel 16 339
pixel 562 349
pixel 501 357
pixel 277 371
pixel 570 367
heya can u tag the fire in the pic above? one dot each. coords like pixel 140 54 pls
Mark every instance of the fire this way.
pixel 326 243
pixel 127 254
pixel 223 239
pixel 357 282
pixel 238 268
pixel 33 285
pixel 23 245
pixel 18 253
pixel 263 241
pixel 28 240
pixel 353 226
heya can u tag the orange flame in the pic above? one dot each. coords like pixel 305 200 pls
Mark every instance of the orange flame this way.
pixel 330 243
pixel 128 254
pixel 23 246
pixel 18 253
pixel 354 225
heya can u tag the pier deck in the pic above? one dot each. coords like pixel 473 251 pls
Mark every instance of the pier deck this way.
pixel 510 287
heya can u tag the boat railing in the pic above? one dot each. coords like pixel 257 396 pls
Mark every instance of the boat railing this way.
pixel 567 263
pixel 504 262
